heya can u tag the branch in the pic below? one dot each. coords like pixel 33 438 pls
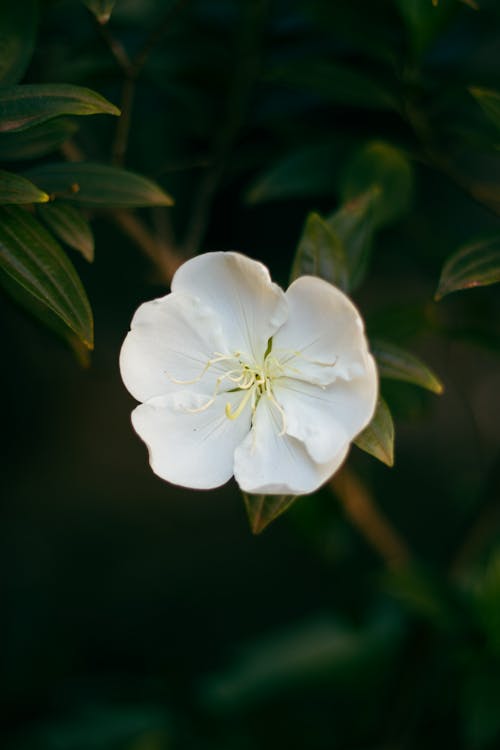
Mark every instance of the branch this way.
pixel 164 257
pixel 361 510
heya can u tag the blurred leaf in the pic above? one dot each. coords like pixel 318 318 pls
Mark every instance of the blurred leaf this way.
pixel 423 594
pixel 353 224
pixel 18 22
pixel 320 253
pixel 99 185
pixel 36 141
pixel 490 103
pixel 486 601
pixel 33 259
pixel 316 651
pixel 263 509
pixel 479 711
pixel 101 9
pixel 424 20
pixel 398 364
pixel 385 168
pixel 22 107
pixel 68 223
pixel 378 438
pixel 308 171
pixel 337 83
pixel 17 189
pixel 474 265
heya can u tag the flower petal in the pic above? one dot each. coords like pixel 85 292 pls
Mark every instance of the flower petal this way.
pixel 323 337
pixel 328 418
pixel 171 340
pixel 191 449
pixel 274 464
pixel 250 306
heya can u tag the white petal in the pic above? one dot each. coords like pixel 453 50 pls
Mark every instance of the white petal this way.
pixel 327 418
pixel 324 329
pixel 191 450
pixel 269 463
pixel 171 339
pixel 250 306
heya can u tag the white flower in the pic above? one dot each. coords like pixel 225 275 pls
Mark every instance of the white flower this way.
pixel 238 377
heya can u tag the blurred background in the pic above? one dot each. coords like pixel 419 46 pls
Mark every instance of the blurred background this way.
pixel 140 616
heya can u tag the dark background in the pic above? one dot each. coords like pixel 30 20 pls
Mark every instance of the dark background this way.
pixel 141 616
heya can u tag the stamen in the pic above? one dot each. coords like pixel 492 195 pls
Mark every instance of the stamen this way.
pixel 218 358
pixel 235 414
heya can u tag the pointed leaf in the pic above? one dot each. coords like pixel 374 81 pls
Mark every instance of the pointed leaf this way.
pixel 17 189
pixel 70 226
pixel 263 509
pixel 22 107
pixel 99 185
pixel 489 102
pixel 378 438
pixel 385 168
pixel 353 223
pixel 37 141
pixel 33 259
pixel 101 9
pixel 477 264
pixel 398 364
pixel 18 21
pixel 320 253
pixel 308 171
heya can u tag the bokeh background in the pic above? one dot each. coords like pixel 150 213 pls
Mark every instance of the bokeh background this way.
pixel 140 616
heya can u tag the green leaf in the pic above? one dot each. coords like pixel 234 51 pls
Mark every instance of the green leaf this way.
pixel 101 9
pixel 424 19
pixel 99 185
pixel 37 141
pixel 22 107
pixel 378 438
pixel 398 364
pixel 353 223
pixel 70 226
pixel 384 168
pixel 33 259
pixel 320 253
pixel 423 593
pixel 18 22
pixel 489 102
pixel 308 171
pixel 17 189
pixel 477 264
pixel 263 509
pixel 339 84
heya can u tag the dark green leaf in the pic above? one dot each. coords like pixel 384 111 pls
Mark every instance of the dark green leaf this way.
pixel 380 166
pixel 320 253
pixel 353 223
pixel 37 141
pixel 424 20
pixel 336 83
pixel 99 185
pixel 101 9
pixel 263 509
pixel 422 593
pixel 22 107
pixel 33 259
pixel 378 438
pixel 17 189
pixel 70 226
pixel 477 264
pixel 308 171
pixel 490 103
pixel 18 22
pixel 398 364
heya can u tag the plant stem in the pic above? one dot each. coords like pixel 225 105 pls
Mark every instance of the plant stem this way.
pixel 361 510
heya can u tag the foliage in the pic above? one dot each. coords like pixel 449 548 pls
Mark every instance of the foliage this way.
pixel 355 141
